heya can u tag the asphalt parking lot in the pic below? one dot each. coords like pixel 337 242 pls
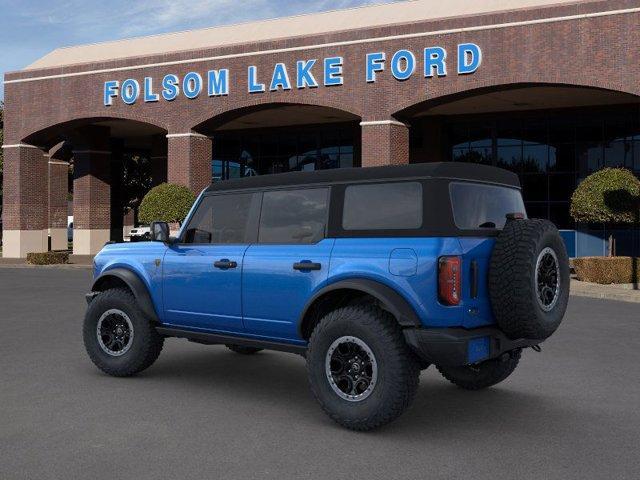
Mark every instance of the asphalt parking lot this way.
pixel 204 412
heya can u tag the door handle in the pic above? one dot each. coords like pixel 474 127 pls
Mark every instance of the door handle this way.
pixel 225 264
pixel 306 266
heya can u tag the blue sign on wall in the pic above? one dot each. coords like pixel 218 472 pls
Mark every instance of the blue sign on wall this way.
pixel 310 73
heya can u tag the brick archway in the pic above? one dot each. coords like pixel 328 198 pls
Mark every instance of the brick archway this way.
pixel 191 151
pixel 36 182
pixel 410 108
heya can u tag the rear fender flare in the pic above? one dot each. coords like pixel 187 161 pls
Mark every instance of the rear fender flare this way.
pixel 395 303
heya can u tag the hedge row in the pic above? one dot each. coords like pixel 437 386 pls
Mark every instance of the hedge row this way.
pixel 48 258
pixel 607 270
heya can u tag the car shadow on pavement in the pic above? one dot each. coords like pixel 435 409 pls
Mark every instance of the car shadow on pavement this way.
pixel 439 407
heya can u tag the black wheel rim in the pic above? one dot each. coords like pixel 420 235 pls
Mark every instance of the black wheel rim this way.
pixel 351 369
pixel 115 332
pixel 547 279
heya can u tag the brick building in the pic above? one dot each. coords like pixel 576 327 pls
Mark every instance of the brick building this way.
pixel 547 88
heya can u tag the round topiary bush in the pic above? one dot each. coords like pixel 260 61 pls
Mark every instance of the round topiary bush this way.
pixel 610 195
pixel 166 203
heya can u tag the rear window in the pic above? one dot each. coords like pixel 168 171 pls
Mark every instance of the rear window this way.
pixel 477 206
pixel 384 206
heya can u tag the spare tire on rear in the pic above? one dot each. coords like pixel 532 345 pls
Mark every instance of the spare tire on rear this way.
pixel 529 279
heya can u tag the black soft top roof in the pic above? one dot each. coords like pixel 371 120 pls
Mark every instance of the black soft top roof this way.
pixel 449 170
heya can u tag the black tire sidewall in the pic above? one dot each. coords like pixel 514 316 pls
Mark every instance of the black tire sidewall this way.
pixel 126 363
pixel 548 322
pixel 389 358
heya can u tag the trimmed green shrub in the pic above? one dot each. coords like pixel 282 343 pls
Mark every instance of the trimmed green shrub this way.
pixel 607 270
pixel 610 195
pixel 166 203
pixel 48 258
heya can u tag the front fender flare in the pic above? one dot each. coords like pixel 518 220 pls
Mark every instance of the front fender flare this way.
pixel 135 284
pixel 397 305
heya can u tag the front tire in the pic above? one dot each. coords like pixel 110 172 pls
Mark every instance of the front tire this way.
pixel 360 369
pixel 482 375
pixel 119 339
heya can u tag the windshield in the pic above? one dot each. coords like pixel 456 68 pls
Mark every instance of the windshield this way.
pixel 477 206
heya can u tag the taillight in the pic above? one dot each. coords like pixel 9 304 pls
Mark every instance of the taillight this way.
pixel 449 281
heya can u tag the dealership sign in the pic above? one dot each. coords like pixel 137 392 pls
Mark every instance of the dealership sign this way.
pixel 310 73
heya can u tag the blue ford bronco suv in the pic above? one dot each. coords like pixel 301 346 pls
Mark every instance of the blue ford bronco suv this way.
pixel 370 274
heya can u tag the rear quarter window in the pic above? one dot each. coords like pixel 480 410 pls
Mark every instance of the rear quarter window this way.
pixel 383 206
pixel 477 206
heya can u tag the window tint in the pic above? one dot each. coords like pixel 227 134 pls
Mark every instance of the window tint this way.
pixel 224 219
pixel 294 216
pixel 385 206
pixel 478 206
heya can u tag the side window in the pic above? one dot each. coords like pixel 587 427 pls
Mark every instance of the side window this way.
pixel 224 219
pixel 294 216
pixel 383 206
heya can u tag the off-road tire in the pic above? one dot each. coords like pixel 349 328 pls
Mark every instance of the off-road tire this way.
pixel 482 375
pixel 147 342
pixel 398 368
pixel 242 350
pixel 512 285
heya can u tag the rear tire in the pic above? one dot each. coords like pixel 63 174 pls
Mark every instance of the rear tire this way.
pixel 118 337
pixel 482 375
pixel 242 350
pixel 386 379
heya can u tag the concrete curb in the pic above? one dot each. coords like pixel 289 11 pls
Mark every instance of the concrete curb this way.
pixel 621 293
pixel 67 266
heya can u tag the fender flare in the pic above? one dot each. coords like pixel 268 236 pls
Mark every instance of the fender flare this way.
pixel 135 284
pixel 397 305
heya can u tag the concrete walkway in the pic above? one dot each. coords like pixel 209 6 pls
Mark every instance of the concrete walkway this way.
pixel 623 292
pixel 81 261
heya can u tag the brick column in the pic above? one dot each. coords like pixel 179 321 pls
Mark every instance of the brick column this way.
pixel 91 190
pixel 116 193
pixel 91 200
pixel 384 143
pixel 24 201
pixel 58 190
pixel 189 160
pixel 158 160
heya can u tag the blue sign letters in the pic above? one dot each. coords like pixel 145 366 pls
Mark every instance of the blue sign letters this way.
pixel 431 61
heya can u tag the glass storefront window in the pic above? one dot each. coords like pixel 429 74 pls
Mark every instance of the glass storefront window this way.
pixel 636 155
pixel 534 187
pixel 510 157
pixel 535 158
pixel 265 151
pixel 619 153
pixel 551 151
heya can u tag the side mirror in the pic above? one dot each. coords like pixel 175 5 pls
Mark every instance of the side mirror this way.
pixel 160 232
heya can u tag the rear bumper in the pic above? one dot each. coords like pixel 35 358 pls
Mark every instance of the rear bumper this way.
pixel 459 346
